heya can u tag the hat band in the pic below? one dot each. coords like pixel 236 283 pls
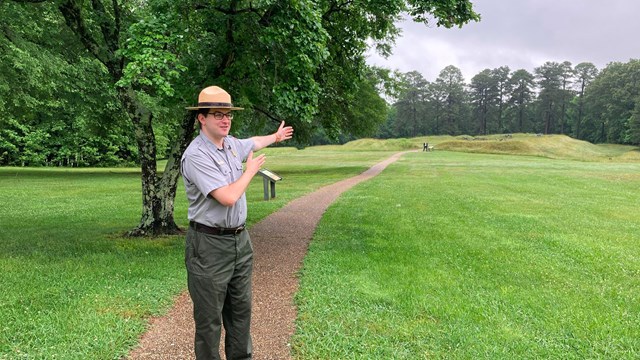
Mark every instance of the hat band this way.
pixel 217 104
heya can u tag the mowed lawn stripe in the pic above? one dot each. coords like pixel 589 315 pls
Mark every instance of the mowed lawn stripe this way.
pixel 451 255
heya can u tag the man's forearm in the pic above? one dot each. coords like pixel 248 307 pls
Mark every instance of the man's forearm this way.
pixel 260 142
pixel 283 133
pixel 229 194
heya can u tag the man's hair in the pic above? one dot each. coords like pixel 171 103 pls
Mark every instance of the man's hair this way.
pixel 204 113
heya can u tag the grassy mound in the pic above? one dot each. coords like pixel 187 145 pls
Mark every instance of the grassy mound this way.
pixel 550 146
pixel 400 144
pixel 378 144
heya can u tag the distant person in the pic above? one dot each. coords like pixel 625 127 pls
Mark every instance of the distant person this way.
pixel 218 250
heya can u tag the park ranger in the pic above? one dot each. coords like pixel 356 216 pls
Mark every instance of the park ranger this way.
pixel 218 251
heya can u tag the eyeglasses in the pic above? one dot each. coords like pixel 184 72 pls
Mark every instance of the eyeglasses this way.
pixel 220 115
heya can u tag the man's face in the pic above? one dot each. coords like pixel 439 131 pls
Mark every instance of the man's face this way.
pixel 217 123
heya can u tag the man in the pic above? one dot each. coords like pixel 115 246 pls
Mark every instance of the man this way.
pixel 218 251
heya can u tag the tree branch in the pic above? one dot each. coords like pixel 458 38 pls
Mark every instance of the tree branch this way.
pixel 267 114
pixel 117 19
pixel 118 27
pixel 73 17
pixel 336 7
pixel 227 11
pixel 234 11
pixel 8 33
pixel 108 32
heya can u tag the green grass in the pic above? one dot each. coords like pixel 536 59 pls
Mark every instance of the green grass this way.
pixel 71 287
pixel 515 257
pixel 471 256
pixel 74 288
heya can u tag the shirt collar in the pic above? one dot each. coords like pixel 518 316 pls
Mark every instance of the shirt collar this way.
pixel 225 144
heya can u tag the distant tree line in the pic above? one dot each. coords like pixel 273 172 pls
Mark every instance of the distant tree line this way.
pixel 557 98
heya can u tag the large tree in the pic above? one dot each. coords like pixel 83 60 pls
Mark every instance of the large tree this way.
pixel 483 97
pixel 501 78
pixel 566 76
pixel 549 80
pixel 301 61
pixel 450 84
pixel 411 106
pixel 521 84
pixel 585 73
pixel 611 104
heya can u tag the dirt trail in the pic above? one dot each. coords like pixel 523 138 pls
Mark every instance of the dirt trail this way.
pixel 280 243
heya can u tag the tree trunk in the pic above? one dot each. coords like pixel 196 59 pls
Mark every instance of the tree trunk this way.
pixel 547 124
pixel 520 111
pixel 563 114
pixel 580 102
pixel 159 192
pixel 579 120
pixel 500 128
pixel 169 181
pixel 520 120
pixel 142 119
pixel 484 117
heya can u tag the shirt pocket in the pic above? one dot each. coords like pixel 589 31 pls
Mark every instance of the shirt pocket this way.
pixel 235 167
pixel 225 170
pixel 238 165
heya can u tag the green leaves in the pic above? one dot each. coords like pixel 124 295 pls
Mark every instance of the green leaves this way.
pixel 611 101
pixel 447 13
pixel 301 61
pixel 151 61
pixel 58 107
pixel 297 42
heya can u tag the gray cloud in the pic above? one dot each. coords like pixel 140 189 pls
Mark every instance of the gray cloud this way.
pixel 522 34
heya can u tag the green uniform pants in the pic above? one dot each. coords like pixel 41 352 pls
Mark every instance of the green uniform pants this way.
pixel 219 279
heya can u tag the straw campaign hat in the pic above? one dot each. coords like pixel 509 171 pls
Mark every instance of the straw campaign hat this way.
pixel 214 97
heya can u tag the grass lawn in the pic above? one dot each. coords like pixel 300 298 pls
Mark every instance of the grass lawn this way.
pixel 74 288
pixel 444 255
pixel 474 256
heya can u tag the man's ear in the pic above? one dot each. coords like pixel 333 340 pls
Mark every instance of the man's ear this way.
pixel 200 119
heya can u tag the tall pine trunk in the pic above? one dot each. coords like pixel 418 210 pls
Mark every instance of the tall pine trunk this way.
pixel 580 103
pixel 547 123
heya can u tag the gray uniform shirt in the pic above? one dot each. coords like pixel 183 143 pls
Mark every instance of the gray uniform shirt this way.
pixel 206 168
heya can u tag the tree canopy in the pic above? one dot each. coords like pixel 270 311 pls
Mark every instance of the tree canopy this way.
pixel 143 61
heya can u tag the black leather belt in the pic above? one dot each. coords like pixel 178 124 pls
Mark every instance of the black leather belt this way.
pixel 215 230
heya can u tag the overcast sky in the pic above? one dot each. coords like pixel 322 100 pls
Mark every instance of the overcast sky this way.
pixel 522 34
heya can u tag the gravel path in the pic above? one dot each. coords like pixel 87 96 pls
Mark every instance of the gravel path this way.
pixel 280 243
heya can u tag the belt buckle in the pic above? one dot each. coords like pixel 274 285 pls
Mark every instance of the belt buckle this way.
pixel 238 230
